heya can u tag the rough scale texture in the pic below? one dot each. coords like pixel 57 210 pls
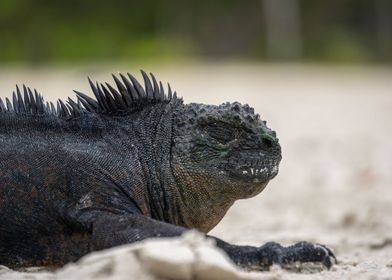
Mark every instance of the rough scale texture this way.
pixel 132 164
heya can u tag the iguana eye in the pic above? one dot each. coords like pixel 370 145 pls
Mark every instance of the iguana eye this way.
pixel 221 132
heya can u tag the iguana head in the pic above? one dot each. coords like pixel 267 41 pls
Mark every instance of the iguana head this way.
pixel 227 144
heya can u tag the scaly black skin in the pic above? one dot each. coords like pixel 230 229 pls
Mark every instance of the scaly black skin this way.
pixel 135 164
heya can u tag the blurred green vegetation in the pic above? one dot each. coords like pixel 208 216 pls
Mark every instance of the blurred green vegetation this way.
pixel 42 31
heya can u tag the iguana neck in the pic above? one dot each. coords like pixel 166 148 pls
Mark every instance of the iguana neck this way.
pixel 202 200
pixel 152 132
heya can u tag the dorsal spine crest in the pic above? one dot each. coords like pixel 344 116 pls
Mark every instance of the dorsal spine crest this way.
pixel 128 96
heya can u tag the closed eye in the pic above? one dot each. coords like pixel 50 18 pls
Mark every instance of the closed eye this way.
pixel 221 132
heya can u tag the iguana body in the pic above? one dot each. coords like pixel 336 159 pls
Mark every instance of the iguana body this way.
pixel 133 164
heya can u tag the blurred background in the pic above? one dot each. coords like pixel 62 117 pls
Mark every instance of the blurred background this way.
pixel 42 31
pixel 318 71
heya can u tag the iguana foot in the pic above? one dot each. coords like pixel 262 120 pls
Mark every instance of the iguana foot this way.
pixel 302 252
pixel 316 256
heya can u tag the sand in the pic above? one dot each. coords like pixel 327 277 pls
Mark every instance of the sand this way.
pixel 334 185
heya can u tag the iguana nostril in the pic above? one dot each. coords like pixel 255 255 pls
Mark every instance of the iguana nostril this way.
pixel 267 142
pixel 268 139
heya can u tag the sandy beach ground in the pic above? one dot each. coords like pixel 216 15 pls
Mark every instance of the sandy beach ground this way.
pixel 335 128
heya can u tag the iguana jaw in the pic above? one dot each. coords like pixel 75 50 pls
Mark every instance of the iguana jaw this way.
pixel 260 172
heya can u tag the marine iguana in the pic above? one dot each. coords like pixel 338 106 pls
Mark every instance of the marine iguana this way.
pixel 131 164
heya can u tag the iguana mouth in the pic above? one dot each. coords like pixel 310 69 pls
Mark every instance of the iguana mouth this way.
pixel 261 172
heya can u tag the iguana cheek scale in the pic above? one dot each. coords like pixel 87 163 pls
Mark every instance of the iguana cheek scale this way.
pixel 130 164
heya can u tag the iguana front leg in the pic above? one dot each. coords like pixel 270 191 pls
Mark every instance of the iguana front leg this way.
pixel 112 230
